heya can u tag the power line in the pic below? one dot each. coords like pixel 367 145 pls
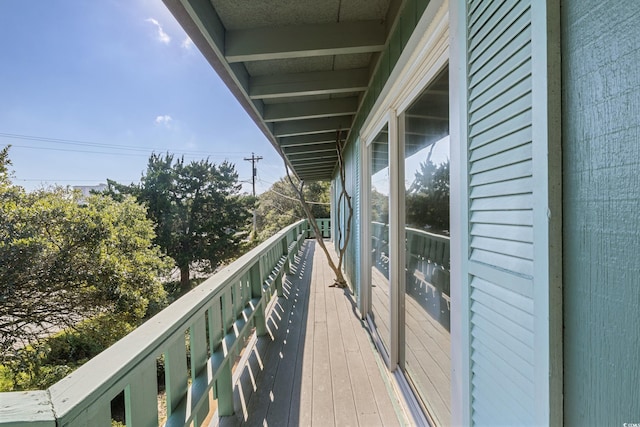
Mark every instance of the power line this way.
pixel 80 151
pixel 297 200
pixel 103 145
pixel 66 180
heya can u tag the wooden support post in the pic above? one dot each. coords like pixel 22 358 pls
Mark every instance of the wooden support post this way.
pixel 224 390
pixel 198 346
pixel 141 404
pixel 256 292
pixel 175 366
pixel 278 281
pixel 285 252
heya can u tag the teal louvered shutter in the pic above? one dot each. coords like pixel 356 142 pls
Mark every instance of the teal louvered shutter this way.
pixel 510 255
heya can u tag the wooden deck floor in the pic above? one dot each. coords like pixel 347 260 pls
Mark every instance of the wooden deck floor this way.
pixel 318 367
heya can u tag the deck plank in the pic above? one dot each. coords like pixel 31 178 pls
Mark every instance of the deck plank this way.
pixel 318 366
pixel 285 393
pixel 345 410
pixel 301 415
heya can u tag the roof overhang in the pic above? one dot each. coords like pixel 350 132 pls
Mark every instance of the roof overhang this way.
pixel 299 68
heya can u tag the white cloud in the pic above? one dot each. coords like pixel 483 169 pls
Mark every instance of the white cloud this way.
pixel 163 120
pixel 187 43
pixel 162 36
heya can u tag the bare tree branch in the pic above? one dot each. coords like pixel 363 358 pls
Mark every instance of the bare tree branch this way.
pixel 343 242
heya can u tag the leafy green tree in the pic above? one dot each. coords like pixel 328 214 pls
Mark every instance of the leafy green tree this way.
pixel 279 206
pixel 5 163
pixel 64 258
pixel 379 207
pixel 428 197
pixel 199 213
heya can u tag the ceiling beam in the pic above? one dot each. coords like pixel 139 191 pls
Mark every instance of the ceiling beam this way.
pixel 314 148
pixel 316 172
pixel 323 176
pixel 327 155
pixel 316 176
pixel 300 140
pixel 296 41
pixel 310 109
pixel 311 83
pixel 305 168
pixel 318 159
pixel 313 162
pixel 302 127
pixel 319 177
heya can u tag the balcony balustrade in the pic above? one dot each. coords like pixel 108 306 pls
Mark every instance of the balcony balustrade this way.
pixel 197 340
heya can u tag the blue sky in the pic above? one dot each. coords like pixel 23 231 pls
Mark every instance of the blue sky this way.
pixel 88 89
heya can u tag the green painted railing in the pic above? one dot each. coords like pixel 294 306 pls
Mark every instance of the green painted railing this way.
pixel 427 253
pixel 324 224
pixel 204 330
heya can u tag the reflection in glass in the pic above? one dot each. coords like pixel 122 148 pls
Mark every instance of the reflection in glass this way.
pixel 379 214
pixel 427 302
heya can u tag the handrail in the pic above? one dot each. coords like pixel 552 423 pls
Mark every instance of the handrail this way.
pixel 427 252
pixel 217 316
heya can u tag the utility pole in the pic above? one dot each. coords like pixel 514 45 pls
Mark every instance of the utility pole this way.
pixel 254 172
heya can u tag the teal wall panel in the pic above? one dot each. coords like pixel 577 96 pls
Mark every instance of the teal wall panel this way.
pixel 601 167
pixel 350 262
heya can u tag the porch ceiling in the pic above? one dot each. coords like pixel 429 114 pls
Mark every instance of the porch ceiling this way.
pixel 299 67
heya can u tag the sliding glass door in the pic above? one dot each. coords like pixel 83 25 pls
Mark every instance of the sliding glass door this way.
pixel 427 360
pixel 380 259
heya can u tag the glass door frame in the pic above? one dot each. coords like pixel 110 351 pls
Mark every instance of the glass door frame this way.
pixel 394 119
pixel 407 83
pixel 390 120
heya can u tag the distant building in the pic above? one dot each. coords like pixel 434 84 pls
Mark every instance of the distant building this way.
pixel 87 189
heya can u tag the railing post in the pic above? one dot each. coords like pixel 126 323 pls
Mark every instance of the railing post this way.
pixel 285 253
pixel 175 366
pixel 300 235
pixel 141 404
pixel 198 347
pixel 278 281
pixel 224 387
pixel 256 292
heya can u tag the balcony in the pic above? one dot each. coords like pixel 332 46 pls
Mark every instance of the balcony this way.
pixel 263 342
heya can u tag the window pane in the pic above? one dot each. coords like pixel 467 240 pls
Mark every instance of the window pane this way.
pixel 427 303
pixel 379 209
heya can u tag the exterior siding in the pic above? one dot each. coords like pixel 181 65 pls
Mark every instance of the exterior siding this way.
pixel 351 260
pixel 601 164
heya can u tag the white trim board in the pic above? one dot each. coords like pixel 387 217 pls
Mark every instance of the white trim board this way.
pixel 427 47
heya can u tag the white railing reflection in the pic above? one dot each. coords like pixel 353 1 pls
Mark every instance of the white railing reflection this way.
pixel 426 253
